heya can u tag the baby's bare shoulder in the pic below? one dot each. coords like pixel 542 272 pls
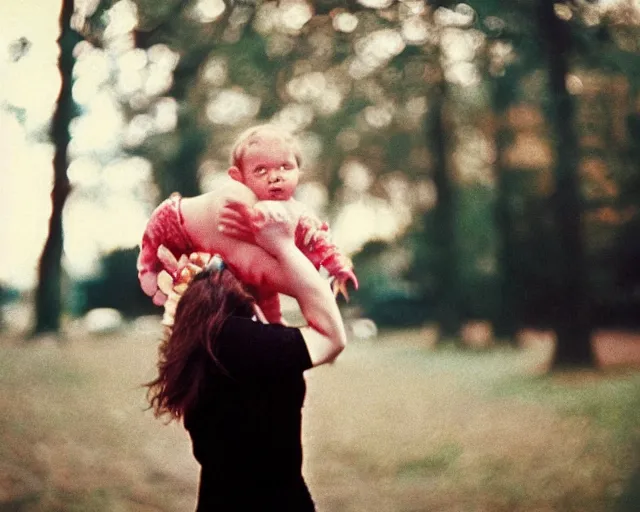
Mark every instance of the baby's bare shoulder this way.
pixel 214 200
pixel 236 191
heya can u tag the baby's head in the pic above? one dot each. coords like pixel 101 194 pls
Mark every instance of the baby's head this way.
pixel 266 158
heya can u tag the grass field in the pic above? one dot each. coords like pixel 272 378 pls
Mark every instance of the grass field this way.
pixel 391 427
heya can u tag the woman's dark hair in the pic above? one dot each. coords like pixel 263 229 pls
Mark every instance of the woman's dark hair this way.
pixel 185 355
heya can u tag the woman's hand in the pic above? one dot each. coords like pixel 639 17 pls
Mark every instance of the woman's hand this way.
pixel 268 224
pixel 237 221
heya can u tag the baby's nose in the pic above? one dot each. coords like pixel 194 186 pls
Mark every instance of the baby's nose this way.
pixel 274 175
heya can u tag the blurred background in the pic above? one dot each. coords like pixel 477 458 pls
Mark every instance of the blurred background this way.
pixel 478 161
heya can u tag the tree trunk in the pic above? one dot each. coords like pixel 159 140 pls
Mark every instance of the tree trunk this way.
pixel 48 300
pixel 507 318
pixel 572 322
pixel 509 311
pixel 443 227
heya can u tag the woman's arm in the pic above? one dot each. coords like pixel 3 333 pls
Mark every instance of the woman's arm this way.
pixel 325 334
pixel 274 227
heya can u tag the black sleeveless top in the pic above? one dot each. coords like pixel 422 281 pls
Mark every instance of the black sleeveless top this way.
pixel 246 426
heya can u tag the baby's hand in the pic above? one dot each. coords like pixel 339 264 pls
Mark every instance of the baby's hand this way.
pixel 339 284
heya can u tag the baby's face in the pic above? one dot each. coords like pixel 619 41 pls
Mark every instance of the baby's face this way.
pixel 270 168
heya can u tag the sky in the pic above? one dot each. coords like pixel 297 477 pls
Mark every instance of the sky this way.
pixel 94 224
pixel 25 168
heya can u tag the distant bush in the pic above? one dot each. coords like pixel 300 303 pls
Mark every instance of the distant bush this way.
pixel 116 287
pixel 399 309
pixel 8 294
pixel 384 295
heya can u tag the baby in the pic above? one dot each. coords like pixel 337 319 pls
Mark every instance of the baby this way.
pixel 265 166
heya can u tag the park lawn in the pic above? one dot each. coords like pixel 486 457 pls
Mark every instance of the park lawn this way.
pixel 391 427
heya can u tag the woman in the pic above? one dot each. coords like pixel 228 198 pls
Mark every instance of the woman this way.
pixel 238 383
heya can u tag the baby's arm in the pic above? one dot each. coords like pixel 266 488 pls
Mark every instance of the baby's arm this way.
pixel 313 238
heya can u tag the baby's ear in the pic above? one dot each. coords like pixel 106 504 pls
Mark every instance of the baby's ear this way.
pixel 235 174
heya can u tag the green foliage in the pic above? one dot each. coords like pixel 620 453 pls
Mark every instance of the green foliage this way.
pixel 611 402
pixel 442 459
pixel 482 252
pixel 398 148
pixel 116 287
pixel 8 294
pixel 176 156
pixel 383 295
pixel 477 274
pixel 253 70
pixel 477 245
pixel 153 14
pixel 326 6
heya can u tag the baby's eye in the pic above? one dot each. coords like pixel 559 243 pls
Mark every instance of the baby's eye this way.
pixel 260 171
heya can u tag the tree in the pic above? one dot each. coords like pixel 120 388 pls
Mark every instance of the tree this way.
pixel 434 238
pixel 295 71
pixel 543 34
pixel 572 323
pixel 48 300
pixel 443 219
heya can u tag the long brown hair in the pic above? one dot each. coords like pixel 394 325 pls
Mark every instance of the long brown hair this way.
pixel 185 355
